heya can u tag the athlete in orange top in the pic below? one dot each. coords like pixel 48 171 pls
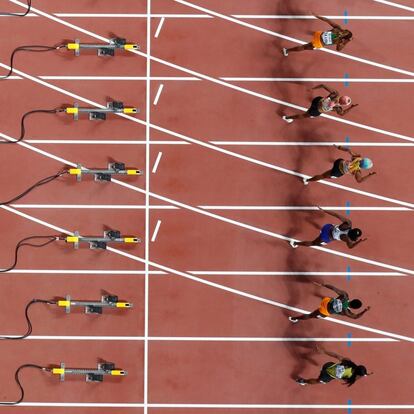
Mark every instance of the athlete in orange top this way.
pixel 342 167
pixel 333 306
pixel 337 36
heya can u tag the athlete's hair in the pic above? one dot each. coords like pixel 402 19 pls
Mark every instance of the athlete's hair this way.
pixel 353 234
pixel 357 371
pixel 355 304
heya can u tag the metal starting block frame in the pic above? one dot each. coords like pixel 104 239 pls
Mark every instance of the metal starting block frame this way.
pixel 92 375
pixel 99 114
pixel 104 174
pixel 110 236
pixel 103 49
pixel 95 307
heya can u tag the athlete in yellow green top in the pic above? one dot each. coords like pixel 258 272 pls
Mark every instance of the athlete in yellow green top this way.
pixel 345 370
pixel 342 167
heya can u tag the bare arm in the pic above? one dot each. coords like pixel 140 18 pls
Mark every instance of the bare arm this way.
pixel 356 315
pixel 330 22
pixel 340 111
pixel 338 216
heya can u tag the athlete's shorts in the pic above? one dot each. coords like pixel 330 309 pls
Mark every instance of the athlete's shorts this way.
pixel 323 308
pixel 326 233
pixel 316 41
pixel 336 172
pixel 314 108
pixel 324 377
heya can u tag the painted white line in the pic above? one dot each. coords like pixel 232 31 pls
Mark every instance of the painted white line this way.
pixel 393 4
pixel 219 143
pixel 147 205
pixel 238 16
pixel 202 273
pixel 232 208
pixel 82 272
pixel 196 339
pixel 155 234
pixel 263 339
pixel 157 161
pixel 225 406
pixel 275 34
pixel 225 78
pixel 159 27
pixel 214 80
pixel 151 263
pixel 157 96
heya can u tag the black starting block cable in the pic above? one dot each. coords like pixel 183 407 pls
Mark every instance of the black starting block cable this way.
pixel 29 48
pixel 29 6
pixel 22 127
pixel 39 183
pixel 19 384
pixel 29 323
pixel 24 242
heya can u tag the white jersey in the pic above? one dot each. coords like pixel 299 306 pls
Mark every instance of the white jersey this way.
pixel 337 232
pixel 327 38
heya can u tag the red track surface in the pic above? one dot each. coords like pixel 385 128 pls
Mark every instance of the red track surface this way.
pixel 196 238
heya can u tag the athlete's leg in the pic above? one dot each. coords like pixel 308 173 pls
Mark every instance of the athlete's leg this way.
pixel 308 46
pixel 326 174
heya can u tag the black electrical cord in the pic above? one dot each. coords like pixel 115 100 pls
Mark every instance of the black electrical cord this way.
pixel 41 182
pixel 22 127
pixel 29 323
pixel 29 6
pixel 29 48
pixel 23 242
pixel 19 384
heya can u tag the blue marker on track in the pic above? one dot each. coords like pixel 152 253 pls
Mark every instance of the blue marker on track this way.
pixel 348 208
pixel 346 79
pixel 349 406
pixel 349 336
pixel 348 273
pixel 346 16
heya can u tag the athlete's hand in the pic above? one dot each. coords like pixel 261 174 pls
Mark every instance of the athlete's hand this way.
pixel 362 240
pixel 367 308
pixel 372 173
pixel 354 105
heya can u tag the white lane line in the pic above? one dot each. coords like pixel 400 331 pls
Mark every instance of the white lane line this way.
pixel 219 143
pixel 157 162
pixel 196 339
pixel 225 406
pixel 160 24
pixel 393 4
pixel 202 272
pixel 202 76
pixel 225 78
pixel 157 96
pixel 147 205
pixel 275 34
pixel 231 208
pixel 155 234
pixel 237 16
pixel 170 270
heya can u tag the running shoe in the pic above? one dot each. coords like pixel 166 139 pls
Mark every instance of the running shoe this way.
pixel 293 244
pixel 301 381
pixel 305 181
pixel 293 320
pixel 286 119
pixel 285 52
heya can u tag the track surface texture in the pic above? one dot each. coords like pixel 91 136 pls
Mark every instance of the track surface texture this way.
pixel 214 279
